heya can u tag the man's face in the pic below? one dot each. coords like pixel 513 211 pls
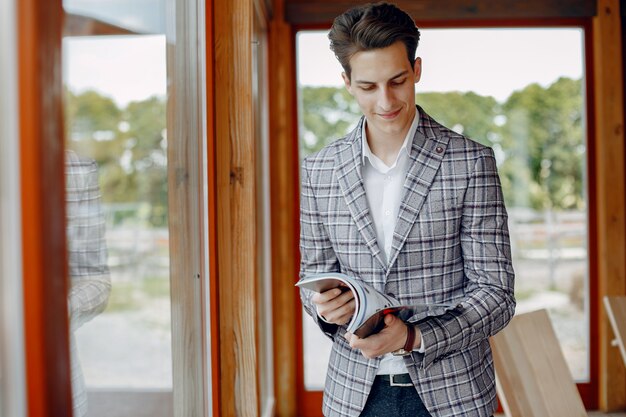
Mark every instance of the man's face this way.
pixel 383 84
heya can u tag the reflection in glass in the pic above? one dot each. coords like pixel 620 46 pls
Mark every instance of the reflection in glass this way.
pixel 138 16
pixel 116 132
pixel 12 341
pixel 90 283
pixel 537 131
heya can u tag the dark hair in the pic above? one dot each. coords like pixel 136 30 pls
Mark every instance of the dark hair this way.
pixel 372 26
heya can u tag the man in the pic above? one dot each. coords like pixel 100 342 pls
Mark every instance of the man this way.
pixel 416 210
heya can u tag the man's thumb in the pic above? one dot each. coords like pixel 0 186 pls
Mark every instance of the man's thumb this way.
pixel 389 318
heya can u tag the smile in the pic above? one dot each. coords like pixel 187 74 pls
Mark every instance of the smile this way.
pixel 389 116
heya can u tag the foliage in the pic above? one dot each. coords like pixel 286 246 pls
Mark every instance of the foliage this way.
pixel 328 113
pixel 537 135
pixel 545 144
pixel 129 146
pixel 467 113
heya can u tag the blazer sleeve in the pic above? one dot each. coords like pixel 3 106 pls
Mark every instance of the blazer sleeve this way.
pixel 316 251
pixel 489 301
pixel 90 282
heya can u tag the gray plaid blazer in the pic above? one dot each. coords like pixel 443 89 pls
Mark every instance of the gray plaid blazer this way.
pixel 450 245
pixel 90 282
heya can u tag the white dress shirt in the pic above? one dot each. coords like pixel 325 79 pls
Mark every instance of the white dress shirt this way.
pixel 384 191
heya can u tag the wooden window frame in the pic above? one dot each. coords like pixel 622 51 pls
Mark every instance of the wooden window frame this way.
pixel 310 401
pixel 42 188
pixel 189 228
pixel 606 211
pixel 233 198
pixel 607 96
pixel 322 12
pixel 284 167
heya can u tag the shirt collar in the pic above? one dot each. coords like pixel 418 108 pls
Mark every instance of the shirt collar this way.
pixel 366 152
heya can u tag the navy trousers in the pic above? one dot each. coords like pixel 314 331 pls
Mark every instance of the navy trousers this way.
pixel 387 401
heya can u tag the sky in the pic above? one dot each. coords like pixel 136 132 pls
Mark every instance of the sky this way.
pixel 487 61
pixel 144 16
pixel 125 68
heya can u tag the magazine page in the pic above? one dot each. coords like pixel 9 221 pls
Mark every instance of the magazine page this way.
pixel 327 281
pixel 369 318
pixel 368 300
pixel 371 305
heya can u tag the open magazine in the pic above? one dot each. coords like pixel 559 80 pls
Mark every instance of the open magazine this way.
pixel 371 305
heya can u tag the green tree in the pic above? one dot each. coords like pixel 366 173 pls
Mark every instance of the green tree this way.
pixel 467 113
pixel 129 146
pixel 146 141
pixel 544 140
pixel 90 112
pixel 537 135
pixel 327 114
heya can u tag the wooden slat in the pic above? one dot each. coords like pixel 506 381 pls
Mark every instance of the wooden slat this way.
pixel 317 12
pixel 533 377
pixel 43 208
pixel 616 311
pixel 284 203
pixel 211 210
pixel 610 190
pixel 265 320
pixel 263 8
pixel 236 207
pixel 589 390
pixel 188 272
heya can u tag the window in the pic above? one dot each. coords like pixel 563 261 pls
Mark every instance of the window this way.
pixel 522 92
pixel 127 219
pixel 116 183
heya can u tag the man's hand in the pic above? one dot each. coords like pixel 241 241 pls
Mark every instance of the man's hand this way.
pixel 335 306
pixel 389 339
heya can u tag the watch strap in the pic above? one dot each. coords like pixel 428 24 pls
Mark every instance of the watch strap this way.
pixel 410 338
pixel 408 344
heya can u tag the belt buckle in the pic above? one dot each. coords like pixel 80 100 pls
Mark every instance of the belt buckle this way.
pixel 398 384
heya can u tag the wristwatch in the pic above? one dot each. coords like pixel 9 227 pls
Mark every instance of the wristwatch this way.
pixel 408 345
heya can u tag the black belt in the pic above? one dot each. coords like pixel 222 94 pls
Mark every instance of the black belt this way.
pixel 398 380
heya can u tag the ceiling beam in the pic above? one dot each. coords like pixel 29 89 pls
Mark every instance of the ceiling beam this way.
pixel 321 12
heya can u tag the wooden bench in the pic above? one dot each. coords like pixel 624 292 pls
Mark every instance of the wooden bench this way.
pixel 532 377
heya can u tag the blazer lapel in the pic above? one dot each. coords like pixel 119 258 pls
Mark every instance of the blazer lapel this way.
pixel 348 161
pixel 427 151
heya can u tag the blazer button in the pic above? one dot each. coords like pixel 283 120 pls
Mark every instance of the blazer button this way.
pixel 439 149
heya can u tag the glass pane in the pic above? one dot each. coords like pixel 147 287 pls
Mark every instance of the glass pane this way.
pixel 263 221
pixel 520 91
pixel 12 346
pixel 116 180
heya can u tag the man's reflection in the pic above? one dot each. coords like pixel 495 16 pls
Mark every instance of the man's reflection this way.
pixel 90 282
